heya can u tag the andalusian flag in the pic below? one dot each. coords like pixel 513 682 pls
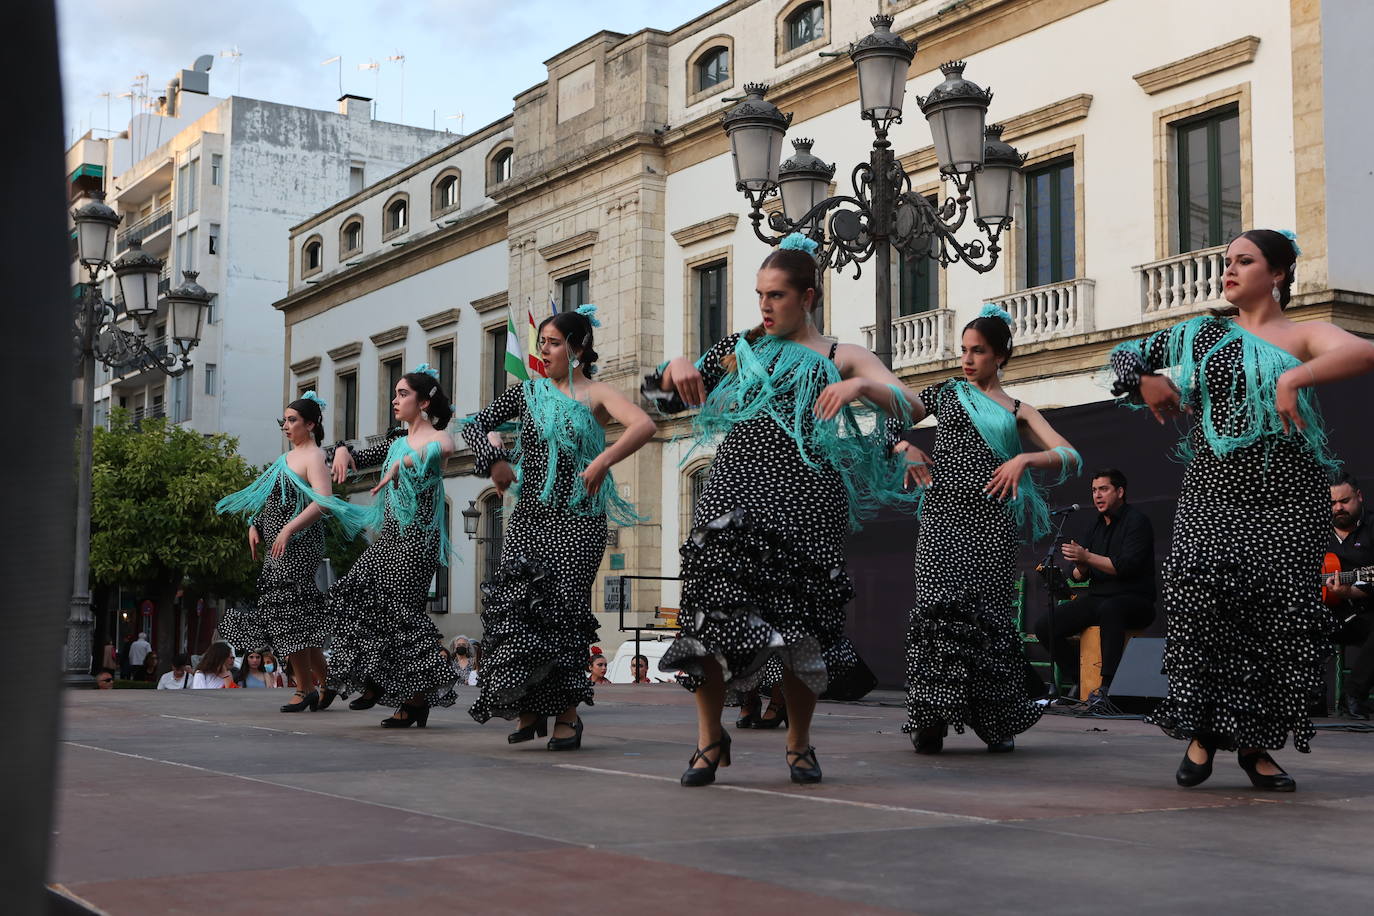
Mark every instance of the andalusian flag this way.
pixel 536 364
pixel 515 360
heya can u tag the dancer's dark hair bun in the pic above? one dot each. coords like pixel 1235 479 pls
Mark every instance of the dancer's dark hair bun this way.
pixel 576 329
pixel 309 410
pixel 427 388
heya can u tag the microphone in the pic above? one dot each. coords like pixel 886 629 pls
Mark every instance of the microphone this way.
pixel 1066 510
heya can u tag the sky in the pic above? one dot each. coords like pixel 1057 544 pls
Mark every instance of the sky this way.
pixel 461 56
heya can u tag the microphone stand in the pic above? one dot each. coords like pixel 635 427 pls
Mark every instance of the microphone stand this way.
pixel 1055 584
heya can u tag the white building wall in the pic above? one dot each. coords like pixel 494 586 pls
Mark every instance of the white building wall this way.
pixel 1347 75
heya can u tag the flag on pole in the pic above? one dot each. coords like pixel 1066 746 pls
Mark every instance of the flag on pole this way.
pixel 553 305
pixel 536 364
pixel 515 360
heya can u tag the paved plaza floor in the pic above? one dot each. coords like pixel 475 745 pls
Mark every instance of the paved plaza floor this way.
pixel 213 802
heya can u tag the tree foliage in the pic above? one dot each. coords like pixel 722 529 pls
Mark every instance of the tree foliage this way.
pixel 153 520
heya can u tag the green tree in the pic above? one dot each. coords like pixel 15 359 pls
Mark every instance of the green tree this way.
pixel 153 521
pixel 342 550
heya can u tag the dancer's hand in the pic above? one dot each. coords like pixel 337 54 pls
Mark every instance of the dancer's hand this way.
pixel 685 378
pixel 1161 396
pixel 389 476
pixel 279 543
pixel 502 476
pixel 1006 480
pixel 494 440
pixel 254 539
pixel 917 464
pixel 833 398
pixel 1286 403
pixel 594 475
pixel 343 460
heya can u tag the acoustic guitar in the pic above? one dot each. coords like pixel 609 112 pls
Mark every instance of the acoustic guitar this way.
pixel 1331 566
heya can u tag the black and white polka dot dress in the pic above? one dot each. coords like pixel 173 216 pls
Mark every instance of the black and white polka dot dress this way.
pixel 764 576
pixel 384 639
pixel 289 613
pixel 1247 632
pixel 537 620
pixel 965 664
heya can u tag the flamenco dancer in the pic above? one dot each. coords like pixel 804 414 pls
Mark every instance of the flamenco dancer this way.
pixel 385 644
pixel 537 620
pixel 763 571
pixel 1247 631
pixel 285 508
pixel 965 665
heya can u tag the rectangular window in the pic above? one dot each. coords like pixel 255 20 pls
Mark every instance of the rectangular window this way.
pixel 193 186
pixel 182 183
pixel 710 295
pixel 216 169
pixel 391 374
pixel 493 529
pixel 211 378
pixel 355 178
pixel 181 397
pixel 212 309
pixel 918 285
pixel 1208 157
pixel 346 411
pixel 441 358
pixel 303 387
pixel 192 254
pixel 439 585
pixel 573 291
pixel 214 238
pixel 1050 255
pixel 496 360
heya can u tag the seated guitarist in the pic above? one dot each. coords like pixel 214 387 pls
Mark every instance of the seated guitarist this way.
pixel 1352 541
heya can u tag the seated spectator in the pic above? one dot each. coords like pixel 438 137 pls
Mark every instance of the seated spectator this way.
pixel 104 679
pixel 179 678
pixel 639 670
pixel 216 668
pixel 596 668
pixel 464 660
pixel 253 672
pixel 274 668
pixel 1118 556
pixel 147 672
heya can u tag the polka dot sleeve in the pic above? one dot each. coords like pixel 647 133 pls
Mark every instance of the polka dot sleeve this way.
pixel 507 406
pixel 712 369
pixel 364 455
pixel 1135 358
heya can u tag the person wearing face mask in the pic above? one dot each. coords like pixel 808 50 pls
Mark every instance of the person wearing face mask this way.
pixel 1247 631
pixel 464 660
pixel 537 619
pixel 386 645
pixel 763 569
pixel 286 509
pixel 965 664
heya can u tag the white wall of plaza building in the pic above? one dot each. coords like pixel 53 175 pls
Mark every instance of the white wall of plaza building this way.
pixel 215 189
pixel 1106 86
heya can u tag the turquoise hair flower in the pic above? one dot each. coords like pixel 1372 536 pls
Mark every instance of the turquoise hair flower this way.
pixel 1292 237
pixel 588 311
pixel 798 242
pixel 427 369
pixel 312 396
pixel 992 311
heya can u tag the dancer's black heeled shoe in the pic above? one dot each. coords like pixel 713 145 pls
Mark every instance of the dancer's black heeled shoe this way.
pixel 327 697
pixel 567 744
pixel 704 776
pixel 930 740
pixel 1005 746
pixel 1279 782
pixel 805 770
pixel 1195 774
pixel 539 726
pixel 414 715
pixel 368 698
pixel 309 700
pixel 778 720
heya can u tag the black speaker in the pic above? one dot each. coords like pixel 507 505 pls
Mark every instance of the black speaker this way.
pixel 1139 673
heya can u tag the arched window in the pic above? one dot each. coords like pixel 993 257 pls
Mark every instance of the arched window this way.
pixel 805 25
pixel 713 68
pixel 312 256
pixel 696 484
pixel 351 235
pixel 501 165
pixel 396 216
pixel 444 193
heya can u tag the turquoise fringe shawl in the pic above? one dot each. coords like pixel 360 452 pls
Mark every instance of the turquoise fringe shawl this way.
pixel 1261 365
pixel 771 369
pixel 296 492
pixel 571 432
pixel 402 496
pixel 997 426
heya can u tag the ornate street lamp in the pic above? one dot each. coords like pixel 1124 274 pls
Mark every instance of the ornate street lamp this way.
pixel 472 517
pixel 95 228
pixel 137 274
pixel 883 212
pixel 186 307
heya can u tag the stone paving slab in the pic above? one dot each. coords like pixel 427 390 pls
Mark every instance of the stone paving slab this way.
pixel 158 792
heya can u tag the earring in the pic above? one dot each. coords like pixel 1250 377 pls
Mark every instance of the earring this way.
pixel 574 362
pixel 1278 296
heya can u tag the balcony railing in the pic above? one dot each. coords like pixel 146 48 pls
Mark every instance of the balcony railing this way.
pixel 148 413
pixel 159 219
pixel 1053 310
pixel 920 338
pixel 1184 283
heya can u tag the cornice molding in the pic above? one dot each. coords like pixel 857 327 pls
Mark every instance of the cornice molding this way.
pixel 567 246
pixel 439 319
pixel 1195 66
pixel 706 229
pixel 382 338
pixel 1055 114
pixel 491 303
pixel 347 351
pixel 306 366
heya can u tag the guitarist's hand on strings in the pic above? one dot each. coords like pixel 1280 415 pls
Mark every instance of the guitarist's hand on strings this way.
pixel 1342 592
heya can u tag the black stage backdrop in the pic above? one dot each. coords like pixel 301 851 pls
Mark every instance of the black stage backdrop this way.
pixel 1107 435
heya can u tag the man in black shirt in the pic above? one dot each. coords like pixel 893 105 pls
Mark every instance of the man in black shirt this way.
pixel 1352 541
pixel 1118 556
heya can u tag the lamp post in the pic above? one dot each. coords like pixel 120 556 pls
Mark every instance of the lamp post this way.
pixel 99 337
pixel 883 211
pixel 472 519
